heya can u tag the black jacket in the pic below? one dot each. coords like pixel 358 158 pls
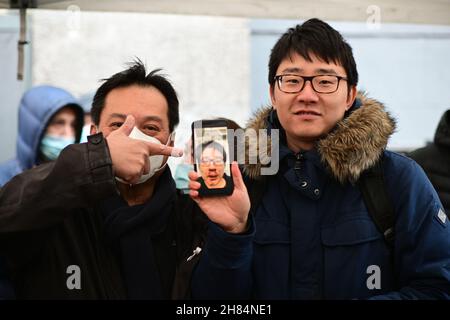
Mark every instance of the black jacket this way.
pixel 50 220
pixel 435 160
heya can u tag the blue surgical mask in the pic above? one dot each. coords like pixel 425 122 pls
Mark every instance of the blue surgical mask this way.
pixel 181 176
pixel 51 146
pixel 85 132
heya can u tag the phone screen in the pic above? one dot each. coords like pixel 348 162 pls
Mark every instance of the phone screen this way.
pixel 212 157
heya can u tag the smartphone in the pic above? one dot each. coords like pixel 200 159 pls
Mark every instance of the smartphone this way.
pixel 212 157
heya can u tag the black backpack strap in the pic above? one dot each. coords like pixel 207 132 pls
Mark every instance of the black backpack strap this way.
pixel 372 186
pixel 256 188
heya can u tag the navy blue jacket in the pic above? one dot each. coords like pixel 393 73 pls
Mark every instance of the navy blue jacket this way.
pixel 311 236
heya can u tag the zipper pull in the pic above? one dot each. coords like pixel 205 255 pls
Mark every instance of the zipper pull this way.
pixel 298 161
pixel 194 253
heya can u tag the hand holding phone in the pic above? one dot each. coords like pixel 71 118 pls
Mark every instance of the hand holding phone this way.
pixel 231 212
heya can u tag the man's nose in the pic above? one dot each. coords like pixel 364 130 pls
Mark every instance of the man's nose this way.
pixel 307 95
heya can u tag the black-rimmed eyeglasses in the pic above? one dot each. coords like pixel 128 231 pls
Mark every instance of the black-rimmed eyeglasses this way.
pixel 292 83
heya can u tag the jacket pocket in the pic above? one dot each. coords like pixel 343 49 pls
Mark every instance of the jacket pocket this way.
pixel 351 249
pixel 271 232
pixel 350 232
pixel 271 256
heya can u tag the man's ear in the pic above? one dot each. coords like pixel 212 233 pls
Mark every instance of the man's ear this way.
pixel 93 129
pixel 351 97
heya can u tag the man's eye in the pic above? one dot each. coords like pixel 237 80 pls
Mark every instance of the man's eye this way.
pixel 151 128
pixel 116 125
pixel 292 81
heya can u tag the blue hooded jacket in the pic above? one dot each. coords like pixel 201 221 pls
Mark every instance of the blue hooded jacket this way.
pixel 37 106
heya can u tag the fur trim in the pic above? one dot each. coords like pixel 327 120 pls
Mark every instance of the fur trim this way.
pixel 256 123
pixel 353 146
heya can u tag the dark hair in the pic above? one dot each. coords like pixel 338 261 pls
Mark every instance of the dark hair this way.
pixel 137 75
pixel 213 145
pixel 231 124
pixel 314 37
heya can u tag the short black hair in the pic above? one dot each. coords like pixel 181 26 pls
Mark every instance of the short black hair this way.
pixel 137 75
pixel 213 145
pixel 318 38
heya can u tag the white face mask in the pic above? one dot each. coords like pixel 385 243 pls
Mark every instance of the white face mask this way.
pixel 155 160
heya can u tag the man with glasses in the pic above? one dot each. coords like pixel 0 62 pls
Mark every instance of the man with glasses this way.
pixel 309 234
pixel 212 159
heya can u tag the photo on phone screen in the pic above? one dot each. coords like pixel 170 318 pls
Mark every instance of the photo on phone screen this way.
pixel 212 157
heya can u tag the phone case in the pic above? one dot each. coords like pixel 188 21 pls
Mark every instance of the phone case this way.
pixel 212 148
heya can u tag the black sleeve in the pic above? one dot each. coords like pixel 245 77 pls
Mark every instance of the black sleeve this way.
pixel 43 196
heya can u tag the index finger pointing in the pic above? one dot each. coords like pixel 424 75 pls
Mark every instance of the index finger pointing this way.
pixel 161 149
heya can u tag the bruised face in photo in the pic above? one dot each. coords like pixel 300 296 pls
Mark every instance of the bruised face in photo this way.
pixel 212 165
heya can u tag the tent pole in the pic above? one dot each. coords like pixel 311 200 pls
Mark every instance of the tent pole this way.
pixel 21 43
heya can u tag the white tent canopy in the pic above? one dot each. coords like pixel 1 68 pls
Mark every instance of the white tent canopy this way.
pixel 393 11
pixel 72 44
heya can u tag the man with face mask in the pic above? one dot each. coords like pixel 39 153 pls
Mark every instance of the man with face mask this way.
pixel 49 120
pixel 105 221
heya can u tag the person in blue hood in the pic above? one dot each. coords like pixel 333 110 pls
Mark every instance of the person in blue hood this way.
pixel 310 235
pixel 50 118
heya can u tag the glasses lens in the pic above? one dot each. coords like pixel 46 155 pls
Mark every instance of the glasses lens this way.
pixel 208 161
pixel 290 83
pixel 325 84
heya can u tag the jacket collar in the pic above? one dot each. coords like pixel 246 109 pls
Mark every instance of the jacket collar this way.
pixel 354 145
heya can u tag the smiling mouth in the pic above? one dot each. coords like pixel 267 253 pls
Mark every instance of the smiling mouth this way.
pixel 308 113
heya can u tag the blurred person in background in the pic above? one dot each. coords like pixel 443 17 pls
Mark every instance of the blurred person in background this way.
pixel 86 104
pixel 435 160
pixel 50 119
pixel 183 168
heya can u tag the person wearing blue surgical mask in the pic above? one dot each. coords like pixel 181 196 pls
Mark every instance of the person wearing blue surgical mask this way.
pixel 86 103
pixel 50 118
pixel 59 134
pixel 183 168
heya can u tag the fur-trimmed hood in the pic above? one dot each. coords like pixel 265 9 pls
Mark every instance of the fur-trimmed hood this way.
pixel 354 145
